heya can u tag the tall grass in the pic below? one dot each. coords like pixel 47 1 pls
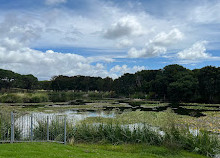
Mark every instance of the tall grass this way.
pixel 116 134
pixel 202 142
pixel 184 137
pixel 174 137
pixel 56 130
pixel 65 96
pixel 101 95
pixel 96 133
pixel 11 98
pixel 38 97
pixel 5 128
pixel 68 96
pixel 24 98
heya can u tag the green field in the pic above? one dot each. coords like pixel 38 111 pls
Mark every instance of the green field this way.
pixel 53 150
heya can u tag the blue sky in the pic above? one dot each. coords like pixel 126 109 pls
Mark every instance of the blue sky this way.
pixel 107 37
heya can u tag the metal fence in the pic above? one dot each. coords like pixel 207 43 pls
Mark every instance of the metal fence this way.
pixel 17 127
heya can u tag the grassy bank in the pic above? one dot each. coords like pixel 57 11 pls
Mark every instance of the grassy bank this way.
pixel 53 150
pixel 45 96
pixel 24 97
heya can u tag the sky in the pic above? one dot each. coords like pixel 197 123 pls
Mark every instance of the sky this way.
pixel 107 38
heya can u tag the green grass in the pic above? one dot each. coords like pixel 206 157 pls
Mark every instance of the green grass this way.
pixel 53 150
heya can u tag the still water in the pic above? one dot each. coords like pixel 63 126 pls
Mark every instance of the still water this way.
pixel 23 122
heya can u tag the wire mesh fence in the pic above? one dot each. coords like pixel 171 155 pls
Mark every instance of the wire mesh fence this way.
pixel 18 127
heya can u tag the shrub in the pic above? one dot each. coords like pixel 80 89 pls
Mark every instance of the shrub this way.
pixel 24 98
pixel 138 95
pixel 39 97
pixel 136 103
pixel 64 96
pixel 95 95
pixel 11 98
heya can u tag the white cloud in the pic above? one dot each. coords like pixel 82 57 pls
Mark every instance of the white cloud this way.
pixel 21 28
pixel 54 2
pixel 10 44
pixel 125 69
pixel 59 27
pixel 44 65
pixel 148 51
pixel 126 26
pixel 124 43
pixel 206 13
pixel 22 59
pixel 148 34
pixel 195 52
pixel 166 39
pixel 158 45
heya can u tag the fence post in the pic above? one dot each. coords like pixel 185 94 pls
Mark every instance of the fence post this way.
pixel 65 130
pixel 12 127
pixel 47 128
pixel 31 127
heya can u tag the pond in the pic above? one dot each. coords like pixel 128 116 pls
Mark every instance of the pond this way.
pixel 23 122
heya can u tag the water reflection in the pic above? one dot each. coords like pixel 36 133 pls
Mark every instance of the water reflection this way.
pixel 23 123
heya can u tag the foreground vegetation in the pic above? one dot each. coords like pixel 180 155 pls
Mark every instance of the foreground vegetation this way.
pixel 165 129
pixel 169 134
pixel 53 150
pixel 50 96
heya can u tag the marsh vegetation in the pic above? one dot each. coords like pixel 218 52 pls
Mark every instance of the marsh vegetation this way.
pixel 173 107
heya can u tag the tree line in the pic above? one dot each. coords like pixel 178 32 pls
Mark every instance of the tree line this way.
pixel 9 79
pixel 172 83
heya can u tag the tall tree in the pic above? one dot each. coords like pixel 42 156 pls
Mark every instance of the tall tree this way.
pixel 208 83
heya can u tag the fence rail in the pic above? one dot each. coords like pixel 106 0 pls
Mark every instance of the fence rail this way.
pixel 16 127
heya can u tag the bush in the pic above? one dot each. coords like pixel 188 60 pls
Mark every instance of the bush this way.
pixel 101 95
pixel 136 103
pixel 95 95
pixel 11 98
pixel 39 97
pixel 138 95
pixel 64 96
pixel 24 98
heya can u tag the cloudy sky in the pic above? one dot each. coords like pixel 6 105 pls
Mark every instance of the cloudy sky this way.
pixel 107 37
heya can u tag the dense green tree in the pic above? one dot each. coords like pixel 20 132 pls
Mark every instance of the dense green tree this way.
pixel 208 83
pixel 164 78
pixel 172 83
pixel 144 80
pixel 125 84
pixel 7 78
pixel 108 84
pixel 29 82
pixel 183 89
pixel 46 85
